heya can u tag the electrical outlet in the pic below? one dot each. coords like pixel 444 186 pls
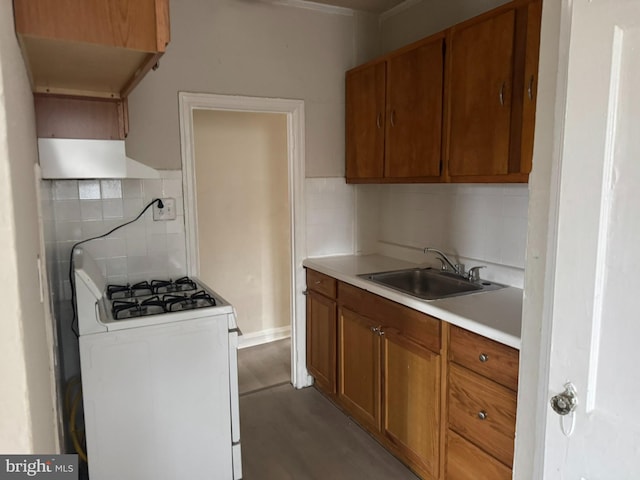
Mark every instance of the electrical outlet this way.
pixel 167 212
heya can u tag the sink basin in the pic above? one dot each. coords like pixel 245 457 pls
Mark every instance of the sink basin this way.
pixel 429 284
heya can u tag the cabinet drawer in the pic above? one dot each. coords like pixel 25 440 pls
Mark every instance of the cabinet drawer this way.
pixel 465 461
pixel 321 283
pixel 483 412
pixel 416 326
pixel 486 357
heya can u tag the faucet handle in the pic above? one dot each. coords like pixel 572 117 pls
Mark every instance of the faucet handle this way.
pixel 474 273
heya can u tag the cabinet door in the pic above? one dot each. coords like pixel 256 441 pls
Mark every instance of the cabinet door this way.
pixel 411 399
pixel 365 120
pixel 321 341
pixel 414 112
pixel 359 368
pixel 480 90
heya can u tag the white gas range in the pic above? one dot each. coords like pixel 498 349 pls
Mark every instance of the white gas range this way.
pixel 159 377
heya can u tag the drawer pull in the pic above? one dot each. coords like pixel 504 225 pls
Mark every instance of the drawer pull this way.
pixel 482 415
pixel 483 357
pixel 318 282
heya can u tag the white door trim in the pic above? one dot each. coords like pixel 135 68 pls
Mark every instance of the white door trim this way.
pixel 294 109
pixel 544 186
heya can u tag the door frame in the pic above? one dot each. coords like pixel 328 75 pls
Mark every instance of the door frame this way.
pixel 294 110
pixel 542 239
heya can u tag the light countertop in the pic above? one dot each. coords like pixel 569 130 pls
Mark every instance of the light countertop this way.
pixel 495 314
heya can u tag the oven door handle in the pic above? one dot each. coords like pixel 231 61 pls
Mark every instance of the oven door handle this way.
pixel 233 385
pixel 97 309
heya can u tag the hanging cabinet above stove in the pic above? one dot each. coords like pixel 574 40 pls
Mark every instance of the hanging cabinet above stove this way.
pixel 94 48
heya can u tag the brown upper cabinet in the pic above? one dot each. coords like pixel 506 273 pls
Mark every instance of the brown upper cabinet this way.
pixel 491 72
pixel 365 121
pixel 394 116
pixel 93 48
pixel 458 106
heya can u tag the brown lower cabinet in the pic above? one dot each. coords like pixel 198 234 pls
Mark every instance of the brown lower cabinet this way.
pixel 321 330
pixel 481 405
pixel 440 398
pixel 389 371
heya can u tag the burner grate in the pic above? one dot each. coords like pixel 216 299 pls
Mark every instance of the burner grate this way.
pixel 184 284
pixel 200 299
pixel 122 309
pixel 140 289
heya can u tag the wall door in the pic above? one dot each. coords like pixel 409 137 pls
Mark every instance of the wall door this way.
pixel 595 320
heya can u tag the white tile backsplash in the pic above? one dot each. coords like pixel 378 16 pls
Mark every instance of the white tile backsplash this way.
pixel 65 189
pixel 74 210
pixel 111 188
pixel 112 208
pixel 152 189
pixel 476 223
pixel 330 212
pixel 136 246
pixel 66 210
pixel 131 188
pixel 81 209
pixel 89 189
pixel 90 210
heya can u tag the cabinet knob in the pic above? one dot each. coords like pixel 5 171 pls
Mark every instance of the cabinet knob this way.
pixel 483 357
pixel 482 415
pixel 377 330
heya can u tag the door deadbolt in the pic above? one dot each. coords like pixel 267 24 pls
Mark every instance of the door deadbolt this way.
pixel 566 402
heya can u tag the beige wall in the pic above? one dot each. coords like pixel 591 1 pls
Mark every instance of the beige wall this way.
pixel 428 17
pixel 253 49
pixel 243 213
pixel 27 420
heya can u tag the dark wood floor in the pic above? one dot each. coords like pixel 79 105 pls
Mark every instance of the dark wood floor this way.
pixel 290 434
pixel 264 366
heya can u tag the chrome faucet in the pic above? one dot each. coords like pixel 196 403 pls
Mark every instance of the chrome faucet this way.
pixel 472 275
pixel 455 268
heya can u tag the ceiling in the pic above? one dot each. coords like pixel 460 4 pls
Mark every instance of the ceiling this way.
pixel 373 6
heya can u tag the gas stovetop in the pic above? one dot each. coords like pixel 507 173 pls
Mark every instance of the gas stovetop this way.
pixel 156 297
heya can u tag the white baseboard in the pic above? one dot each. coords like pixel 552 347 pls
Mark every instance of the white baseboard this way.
pixel 263 336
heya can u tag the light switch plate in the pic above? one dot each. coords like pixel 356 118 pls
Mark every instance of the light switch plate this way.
pixel 167 212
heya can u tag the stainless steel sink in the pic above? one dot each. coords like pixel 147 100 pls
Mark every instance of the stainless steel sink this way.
pixel 429 284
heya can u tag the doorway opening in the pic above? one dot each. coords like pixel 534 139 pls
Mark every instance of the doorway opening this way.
pixel 243 179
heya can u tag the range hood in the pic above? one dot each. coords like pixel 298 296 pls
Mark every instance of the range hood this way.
pixel 73 158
